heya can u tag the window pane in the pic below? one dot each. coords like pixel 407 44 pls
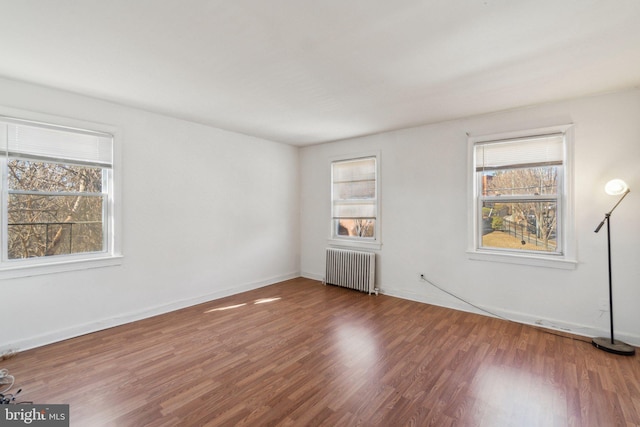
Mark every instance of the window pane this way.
pixel 355 227
pixel 53 142
pixel 527 226
pixel 44 225
pixel 354 190
pixel 355 210
pixel 539 150
pixel 354 170
pixel 27 175
pixel 524 181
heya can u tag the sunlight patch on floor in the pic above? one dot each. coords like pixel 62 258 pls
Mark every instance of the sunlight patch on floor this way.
pixel 356 346
pixel 508 394
pixel 231 307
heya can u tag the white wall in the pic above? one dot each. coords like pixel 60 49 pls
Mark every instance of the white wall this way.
pixel 424 217
pixel 205 213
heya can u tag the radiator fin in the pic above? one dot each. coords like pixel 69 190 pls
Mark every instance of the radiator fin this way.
pixel 351 269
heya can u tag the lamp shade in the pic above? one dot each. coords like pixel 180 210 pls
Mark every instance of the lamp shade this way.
pixel 616 187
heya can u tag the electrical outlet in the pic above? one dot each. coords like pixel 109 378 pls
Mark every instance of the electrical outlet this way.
pixel 603 304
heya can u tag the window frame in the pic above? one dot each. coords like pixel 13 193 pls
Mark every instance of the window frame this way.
pixel 566 259
pixel 111 255
pixel 335 240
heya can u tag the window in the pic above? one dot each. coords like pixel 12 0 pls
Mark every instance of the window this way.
pixel 56 194
pixel 354 197
pixel 521 201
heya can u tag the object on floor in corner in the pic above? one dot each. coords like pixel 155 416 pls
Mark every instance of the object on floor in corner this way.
pixel 8 380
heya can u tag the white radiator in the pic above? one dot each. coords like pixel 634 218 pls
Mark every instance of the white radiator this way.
pixel 351 269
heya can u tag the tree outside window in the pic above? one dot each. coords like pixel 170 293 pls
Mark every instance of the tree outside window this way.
pixel 54 209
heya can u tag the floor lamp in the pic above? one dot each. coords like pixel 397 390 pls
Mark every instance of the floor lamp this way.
pixel 614 187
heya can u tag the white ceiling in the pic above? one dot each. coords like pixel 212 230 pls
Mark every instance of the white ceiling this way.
pixel 310 71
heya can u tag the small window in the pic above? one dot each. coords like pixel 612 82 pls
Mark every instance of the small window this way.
pixel 354 197
pixel 521 198
pixel 57 192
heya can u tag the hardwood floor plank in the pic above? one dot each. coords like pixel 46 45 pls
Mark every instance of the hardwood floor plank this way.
pixel 300 353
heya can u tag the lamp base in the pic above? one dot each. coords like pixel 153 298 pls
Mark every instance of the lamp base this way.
pixel 617 347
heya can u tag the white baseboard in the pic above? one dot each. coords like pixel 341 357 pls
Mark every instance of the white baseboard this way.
pixel 87 328
pixel 312 276
pixel 518 317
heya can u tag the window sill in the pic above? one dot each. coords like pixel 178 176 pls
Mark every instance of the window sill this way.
pixel 355 244
pixel 530 260
pixel 58 266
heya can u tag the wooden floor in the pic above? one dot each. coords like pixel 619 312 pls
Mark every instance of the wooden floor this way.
pixel 299 353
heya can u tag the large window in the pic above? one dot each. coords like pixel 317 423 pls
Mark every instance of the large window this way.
pixel 355 199
pixel 521 194
pixel 56 193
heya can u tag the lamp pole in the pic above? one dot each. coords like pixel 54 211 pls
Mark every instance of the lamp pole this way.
pixel 612 345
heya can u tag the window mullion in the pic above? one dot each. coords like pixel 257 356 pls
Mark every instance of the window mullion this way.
pixel 107 213
pixel 4 231
pixel 55 193
pixel 520 198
